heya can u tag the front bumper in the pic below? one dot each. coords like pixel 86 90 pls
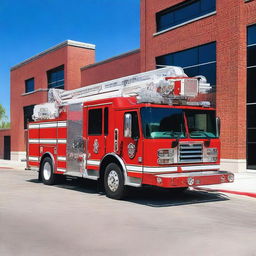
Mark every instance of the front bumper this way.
pixel 190 179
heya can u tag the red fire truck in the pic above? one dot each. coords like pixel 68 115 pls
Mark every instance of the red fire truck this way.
pixel 143 129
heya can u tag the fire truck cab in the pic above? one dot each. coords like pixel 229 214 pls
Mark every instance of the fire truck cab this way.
pixel 135 137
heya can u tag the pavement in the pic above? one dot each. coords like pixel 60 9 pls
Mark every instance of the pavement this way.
pixel 244 184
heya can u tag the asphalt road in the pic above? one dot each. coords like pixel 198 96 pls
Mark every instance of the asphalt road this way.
pixel 73 219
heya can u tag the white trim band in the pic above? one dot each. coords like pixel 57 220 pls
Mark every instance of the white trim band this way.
pixel 133 168
pixel 61 170
pixel 33 158
pixel 93 162
pixel 48 125
pixel 61 158
pixel 159 169
pixel 200 167
pixel 47 141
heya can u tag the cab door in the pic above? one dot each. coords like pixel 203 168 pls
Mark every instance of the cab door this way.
pixel 96 131
pixel 132 144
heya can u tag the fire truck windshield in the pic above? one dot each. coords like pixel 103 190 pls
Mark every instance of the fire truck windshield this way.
pixel 169 123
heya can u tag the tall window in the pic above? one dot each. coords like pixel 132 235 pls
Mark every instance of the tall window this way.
pixel 28 112
pixel 200 60
pixel 251 97
pixel 95 122
pixel 184 12
pixel 29 85
pixel 56 77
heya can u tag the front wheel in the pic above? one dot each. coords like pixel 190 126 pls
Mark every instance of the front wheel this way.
pixel 114 182
pixel 46 172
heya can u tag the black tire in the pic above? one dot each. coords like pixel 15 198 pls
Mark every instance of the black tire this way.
pixel 114 182
pixel 46 172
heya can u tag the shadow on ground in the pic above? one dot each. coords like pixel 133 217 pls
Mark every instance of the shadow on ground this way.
pixel 149 196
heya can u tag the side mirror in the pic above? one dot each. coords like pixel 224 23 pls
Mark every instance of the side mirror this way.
pixel 218 126
pixel 128 125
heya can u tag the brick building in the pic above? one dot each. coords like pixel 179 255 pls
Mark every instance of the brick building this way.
pixel 214 38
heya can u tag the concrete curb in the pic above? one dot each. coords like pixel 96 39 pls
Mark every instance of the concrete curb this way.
pixel 228 191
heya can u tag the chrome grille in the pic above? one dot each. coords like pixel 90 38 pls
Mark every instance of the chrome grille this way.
pixel 190 153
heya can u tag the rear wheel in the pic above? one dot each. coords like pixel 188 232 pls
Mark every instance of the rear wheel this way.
pixel 47 175
pixel 114 182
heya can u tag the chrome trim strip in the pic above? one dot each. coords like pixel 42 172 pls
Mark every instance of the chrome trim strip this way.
pixel 192 174
pixel 200 167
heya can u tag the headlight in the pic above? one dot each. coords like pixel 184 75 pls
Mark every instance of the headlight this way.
pixel 212 152
pixel 166 156
pixel 211 155
pixel 165 152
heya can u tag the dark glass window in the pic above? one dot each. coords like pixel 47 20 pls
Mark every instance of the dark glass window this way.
pixel 251 135
pixel 135 124
pixel 29 85
pixel 56 77
pixel 184 12
pixel 95 122
pixel 251 97
pixel 251 56
pixel 251 116
pixel 251 85
pixel 106 121
pixel 200 60
pixel 251 35
pixel 28 112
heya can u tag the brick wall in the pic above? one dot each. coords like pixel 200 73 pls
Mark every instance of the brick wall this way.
pixel 123 65
pixel 73 58
pixel 228 28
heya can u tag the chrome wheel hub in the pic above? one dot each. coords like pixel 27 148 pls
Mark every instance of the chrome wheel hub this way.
pixel 113 181
pixel 47 171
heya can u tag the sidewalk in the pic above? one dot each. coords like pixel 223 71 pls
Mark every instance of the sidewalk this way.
pixel 244 184
pixel 8 164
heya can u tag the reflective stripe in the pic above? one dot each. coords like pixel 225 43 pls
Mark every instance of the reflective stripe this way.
pixel 48 125
pixel 33 158
pixel 62 124
pixel 33 126
pixel 200 167
pixel 47 141
pixel 134 168
pixel 61 158
pixel 33 141
pixel 62 141
pixel 61 170
pixel 160 169
pixel 93 162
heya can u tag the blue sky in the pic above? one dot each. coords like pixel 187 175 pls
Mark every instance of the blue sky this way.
pixel 31 26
